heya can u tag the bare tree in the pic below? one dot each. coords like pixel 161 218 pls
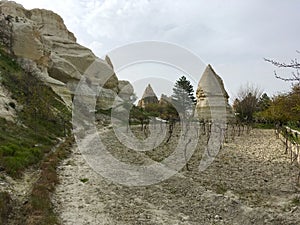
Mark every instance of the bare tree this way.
pixel 246 102
pixel 294 64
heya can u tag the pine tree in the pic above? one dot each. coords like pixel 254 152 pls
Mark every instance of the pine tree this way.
pixel 183 96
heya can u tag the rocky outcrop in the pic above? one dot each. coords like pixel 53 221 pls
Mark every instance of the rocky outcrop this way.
pixel 212 98
pixel 149 97
pixel 7 105
pixel 125 90
pixel 42 42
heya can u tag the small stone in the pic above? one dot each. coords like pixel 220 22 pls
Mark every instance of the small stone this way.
pixel 217 217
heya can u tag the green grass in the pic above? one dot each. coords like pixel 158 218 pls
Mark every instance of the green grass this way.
pixel 84 180
pixel 42 118
pixel 15 157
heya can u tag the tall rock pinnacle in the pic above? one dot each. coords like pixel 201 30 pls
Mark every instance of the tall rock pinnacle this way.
pixel 149 97
pixel 212 98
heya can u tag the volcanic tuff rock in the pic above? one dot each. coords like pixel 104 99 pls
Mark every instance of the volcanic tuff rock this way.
pixel 149 97
pixel 7 105
pixel 125 90
pixel 165 100
pixel 42 42
pixel 212 98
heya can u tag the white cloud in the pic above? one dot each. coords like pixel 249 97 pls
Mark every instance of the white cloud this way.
pixel 96 46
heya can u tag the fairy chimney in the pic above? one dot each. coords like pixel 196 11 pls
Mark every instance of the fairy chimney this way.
pixel 149 97
pixel 212 98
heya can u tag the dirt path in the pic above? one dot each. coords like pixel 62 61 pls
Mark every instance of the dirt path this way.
pixel 19 190
pixel 250 182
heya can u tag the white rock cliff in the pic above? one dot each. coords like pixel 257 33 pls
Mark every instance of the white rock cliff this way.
pixel 43 44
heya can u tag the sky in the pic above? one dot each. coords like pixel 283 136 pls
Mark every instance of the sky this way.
pixel 233 36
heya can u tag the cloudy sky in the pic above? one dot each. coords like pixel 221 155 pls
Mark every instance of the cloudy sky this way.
pixel 232 35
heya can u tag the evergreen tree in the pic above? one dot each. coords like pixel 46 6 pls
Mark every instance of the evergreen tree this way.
pixel 183 96
pixel 264 102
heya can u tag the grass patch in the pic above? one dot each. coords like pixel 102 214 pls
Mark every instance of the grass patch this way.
pixel 39 211
pixel 16 157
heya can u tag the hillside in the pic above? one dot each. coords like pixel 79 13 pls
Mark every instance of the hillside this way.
pixel 35 121
pixel 40 66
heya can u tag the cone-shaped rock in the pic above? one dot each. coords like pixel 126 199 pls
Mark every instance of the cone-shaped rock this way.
pixel 212 98
pixel 149 97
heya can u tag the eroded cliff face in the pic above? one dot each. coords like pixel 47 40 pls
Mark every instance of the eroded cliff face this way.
pixel 7 105
pixel 43 45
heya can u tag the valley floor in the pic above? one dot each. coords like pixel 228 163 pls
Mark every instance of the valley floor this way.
pixel 251 182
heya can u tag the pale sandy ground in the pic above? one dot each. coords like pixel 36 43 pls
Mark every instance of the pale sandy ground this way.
pixel 250 182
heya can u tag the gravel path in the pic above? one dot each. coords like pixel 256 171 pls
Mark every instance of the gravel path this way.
pixel 250 182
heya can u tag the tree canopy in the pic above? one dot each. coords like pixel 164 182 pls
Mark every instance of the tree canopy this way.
pixel 284 108
pixel 246 103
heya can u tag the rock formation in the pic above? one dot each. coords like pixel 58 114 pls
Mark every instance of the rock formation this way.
pixel 43 44
pixel 165 100
pixel 212 98
pixel 7 105
pixel 125 90
pixel 149 97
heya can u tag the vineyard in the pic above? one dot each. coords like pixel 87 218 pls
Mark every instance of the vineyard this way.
pixel 291 140
pixel 250 181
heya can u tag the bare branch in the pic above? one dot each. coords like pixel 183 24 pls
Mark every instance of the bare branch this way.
pixel 294 64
